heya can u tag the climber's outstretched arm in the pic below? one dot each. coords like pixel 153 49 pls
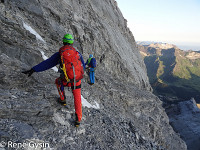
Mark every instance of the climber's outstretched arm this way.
pixel 44 65
pixel 47 64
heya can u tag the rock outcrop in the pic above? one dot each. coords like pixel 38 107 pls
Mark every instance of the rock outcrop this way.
pixel 184 117
pixel 129 116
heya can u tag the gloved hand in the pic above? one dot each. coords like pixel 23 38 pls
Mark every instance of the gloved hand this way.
pixel 29 72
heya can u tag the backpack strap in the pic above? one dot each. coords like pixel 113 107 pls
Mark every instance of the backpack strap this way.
pixel 76 87
pixel 89 60
pixel 74 76
pixel 63 68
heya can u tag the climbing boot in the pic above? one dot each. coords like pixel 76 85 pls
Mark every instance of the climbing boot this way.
pixel 76 123
pixel 63 102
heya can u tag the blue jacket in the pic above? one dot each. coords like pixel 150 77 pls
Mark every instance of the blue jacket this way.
pixel 91 63
pixel 51 62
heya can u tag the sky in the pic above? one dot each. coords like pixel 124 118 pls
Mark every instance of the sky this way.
pixel 171 21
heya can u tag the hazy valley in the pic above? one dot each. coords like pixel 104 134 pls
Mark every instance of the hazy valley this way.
pixel 172 72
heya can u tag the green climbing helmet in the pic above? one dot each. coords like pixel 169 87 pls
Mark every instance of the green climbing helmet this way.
pixel 68 38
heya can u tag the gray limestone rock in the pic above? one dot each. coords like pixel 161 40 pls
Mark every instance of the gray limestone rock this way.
pixel 184 117
pixel 129 115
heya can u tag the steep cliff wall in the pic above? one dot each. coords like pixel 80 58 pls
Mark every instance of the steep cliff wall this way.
pixel 128 116
pixel 99 28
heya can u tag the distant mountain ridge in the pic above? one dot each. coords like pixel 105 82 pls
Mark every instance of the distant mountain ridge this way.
pixel 172 71
pixel 146 42
pixel 183 46
pixel 159 45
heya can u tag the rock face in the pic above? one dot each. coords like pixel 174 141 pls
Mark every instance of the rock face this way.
pixel 129 116
pixel 184 117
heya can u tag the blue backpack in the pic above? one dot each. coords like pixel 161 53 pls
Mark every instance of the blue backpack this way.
pixel 93 63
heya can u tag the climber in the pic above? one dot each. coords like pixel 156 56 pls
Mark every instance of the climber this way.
pixel 71 65
pixel 91 62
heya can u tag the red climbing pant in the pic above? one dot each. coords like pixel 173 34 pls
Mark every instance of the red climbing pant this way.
pixel 61 83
